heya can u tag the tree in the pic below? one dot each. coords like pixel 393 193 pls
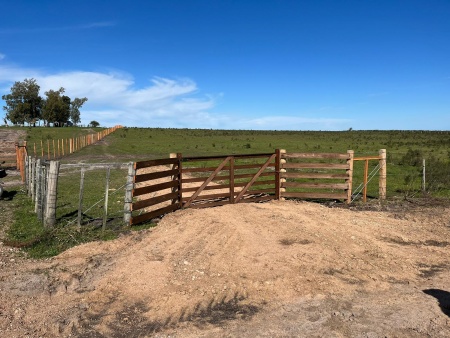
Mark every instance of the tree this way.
pixel 23 104
pixel 75 106
pixel 94 124
pixel 56 108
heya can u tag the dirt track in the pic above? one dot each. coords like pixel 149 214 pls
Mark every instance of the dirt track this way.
pixel 274 269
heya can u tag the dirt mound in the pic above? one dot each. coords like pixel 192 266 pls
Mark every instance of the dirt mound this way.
pixel 273 269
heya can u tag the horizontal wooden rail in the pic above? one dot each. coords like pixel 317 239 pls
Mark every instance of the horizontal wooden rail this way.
pixel 313 175
pixel 317 165
pixel 315 195
pixel 153 214
pixel 153 163
pixel 153 188
pixel 153 201
pixel 155 175
pixel 316 155
pixel 340 186
pixel 236 167
pixel 218 158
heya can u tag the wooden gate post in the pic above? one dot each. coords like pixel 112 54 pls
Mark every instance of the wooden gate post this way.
pixel 52 188
pixel 80 199
pixel 129 194
pixel 383 171
pixel 349 179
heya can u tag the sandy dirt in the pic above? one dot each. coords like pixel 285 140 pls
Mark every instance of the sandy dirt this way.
pixel 278 269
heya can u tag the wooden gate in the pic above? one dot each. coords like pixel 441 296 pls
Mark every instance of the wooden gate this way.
pixel 201 182
pixel 317 175
pixel 213 181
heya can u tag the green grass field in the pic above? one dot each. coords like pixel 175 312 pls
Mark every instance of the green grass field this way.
pixel 405 151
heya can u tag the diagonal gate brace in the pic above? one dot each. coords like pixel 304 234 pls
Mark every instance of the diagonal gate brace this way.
pixel 210 178
pixel 249 184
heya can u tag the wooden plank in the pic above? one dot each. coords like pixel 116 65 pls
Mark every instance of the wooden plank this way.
pixel 314 175
pixel 316 155
pixel 236 167
pixel 153 176
pixel 209 187
pixel 209 204
pixel 260 191
pixel 209 196
pixel 265 198
pixel 153 214
pixel 342 186
pixel 315 166
pixel 154 200
pixel 221 203
pixel 156 187
pixel 152 163
pixel 226 186
pixel 318 195
pixel 224 177
pixel 221 158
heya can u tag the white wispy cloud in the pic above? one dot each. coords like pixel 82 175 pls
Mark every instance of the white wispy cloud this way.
pixel 114 98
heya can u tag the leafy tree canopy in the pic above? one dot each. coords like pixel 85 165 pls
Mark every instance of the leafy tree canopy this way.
pixel 23 104
pixel 94 124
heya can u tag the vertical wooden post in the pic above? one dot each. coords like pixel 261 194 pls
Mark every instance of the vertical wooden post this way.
pixel 281 170
pixel 37 199
pixel 33 179
pixel 424 188
pixel 231 179
pixel 277 173
pixel 349 173
pixel 42 149
pixel 383 171
pixel 48 149
pixel 366 174
pixel 34 149
pixel 28 175
pixel 105 207
pixel 180 178
pixel 52 189
pixel 80 199
pixel 129 194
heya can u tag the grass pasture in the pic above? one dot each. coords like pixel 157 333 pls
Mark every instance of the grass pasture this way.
pixel 405 151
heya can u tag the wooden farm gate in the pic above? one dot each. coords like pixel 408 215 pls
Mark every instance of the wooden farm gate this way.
pixel 200 182
pixel 316 175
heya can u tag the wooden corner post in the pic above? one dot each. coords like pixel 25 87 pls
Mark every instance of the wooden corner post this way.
pixel 383 171
pixel 129 193
pixel 52 188
pixel 349 179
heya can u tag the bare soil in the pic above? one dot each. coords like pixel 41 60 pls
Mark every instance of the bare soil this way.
pixel 278 269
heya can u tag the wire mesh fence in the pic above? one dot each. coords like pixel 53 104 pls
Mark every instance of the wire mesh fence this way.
pixel 92 194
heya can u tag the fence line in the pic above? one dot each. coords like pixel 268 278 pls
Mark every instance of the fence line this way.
pixel 156 187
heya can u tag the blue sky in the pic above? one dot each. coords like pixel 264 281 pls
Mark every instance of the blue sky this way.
pixel 248 64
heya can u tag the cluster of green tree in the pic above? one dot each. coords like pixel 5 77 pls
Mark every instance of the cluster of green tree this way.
pixel 25 105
